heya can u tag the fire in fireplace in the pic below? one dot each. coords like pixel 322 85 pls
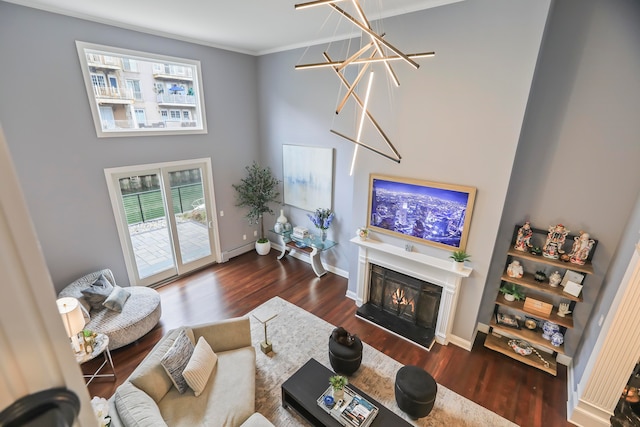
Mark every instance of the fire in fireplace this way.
pixel 402 304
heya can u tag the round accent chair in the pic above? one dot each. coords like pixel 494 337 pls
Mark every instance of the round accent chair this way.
pixel 415 391
pixel 138 315
pixel 344 359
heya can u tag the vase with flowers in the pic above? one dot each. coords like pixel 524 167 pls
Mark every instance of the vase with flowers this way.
pixel 322 219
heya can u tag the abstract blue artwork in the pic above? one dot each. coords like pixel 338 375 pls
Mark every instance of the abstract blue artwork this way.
pixel 308 176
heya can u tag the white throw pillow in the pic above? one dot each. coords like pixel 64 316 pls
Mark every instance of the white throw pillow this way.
pixel 200 366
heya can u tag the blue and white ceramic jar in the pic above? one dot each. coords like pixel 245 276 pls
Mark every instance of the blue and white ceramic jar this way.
pixel 549 328
pixel 557 339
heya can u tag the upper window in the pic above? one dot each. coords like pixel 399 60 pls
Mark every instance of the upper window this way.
pixel 120 83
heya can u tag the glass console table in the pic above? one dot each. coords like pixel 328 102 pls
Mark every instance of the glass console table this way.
pixel 312 246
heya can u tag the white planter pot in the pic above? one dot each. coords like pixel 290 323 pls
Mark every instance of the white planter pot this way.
pixel 509 297
pixel 263 248
pixel 458 266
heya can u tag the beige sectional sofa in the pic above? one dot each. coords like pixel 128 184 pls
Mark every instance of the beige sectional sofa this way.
pixel 149 398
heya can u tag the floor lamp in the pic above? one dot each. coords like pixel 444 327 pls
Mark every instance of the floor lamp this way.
pixel 71 313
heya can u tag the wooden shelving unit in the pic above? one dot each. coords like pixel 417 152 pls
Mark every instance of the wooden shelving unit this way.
pixel 499 335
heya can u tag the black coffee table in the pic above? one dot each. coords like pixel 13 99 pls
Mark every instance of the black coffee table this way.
pixel 302 390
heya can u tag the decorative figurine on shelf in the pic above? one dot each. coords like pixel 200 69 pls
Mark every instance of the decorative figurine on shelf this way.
pixel 515 269
pixel 563 309
pixel 363 233
pixel 555 279
pixel 549 328
pixel 540 276
pixel 557 339
pixel 523 240
pixel 555 239
pixel 582 245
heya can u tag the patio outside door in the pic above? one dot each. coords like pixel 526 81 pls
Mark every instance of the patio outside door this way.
pixel 163 216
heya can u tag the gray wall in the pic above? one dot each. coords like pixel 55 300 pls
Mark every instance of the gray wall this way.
pixel 60 161
pixel 577 160
pixel 455 120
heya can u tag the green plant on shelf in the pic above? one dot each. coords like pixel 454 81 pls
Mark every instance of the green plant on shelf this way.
pixel 459 256
pixel 512 289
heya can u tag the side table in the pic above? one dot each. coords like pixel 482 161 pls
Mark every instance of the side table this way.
pixel 101 346
pixel 311 246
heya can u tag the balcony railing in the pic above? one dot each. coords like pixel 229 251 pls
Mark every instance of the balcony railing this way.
pixel 117 124
pixel 167 71
pixel 175 99
pixel 113 93
pixel 104 61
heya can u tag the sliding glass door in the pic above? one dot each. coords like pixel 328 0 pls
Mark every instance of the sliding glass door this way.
pixel 164 218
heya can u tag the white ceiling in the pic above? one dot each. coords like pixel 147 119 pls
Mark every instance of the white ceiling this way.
pixel 254 27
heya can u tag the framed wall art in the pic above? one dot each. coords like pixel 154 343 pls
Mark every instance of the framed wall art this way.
pixel 135 93
pixel 426 212
pixel 308 176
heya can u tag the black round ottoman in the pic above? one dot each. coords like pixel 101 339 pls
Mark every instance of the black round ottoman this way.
pixel 344 359
pixel 415 391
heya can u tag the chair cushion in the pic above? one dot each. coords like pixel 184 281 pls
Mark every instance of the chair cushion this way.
pixel 136 408
pixel 176 359
pixel 116 299
pixel 198 370
pixel 96 293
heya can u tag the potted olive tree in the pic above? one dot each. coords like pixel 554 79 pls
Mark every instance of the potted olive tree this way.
pixel 256 191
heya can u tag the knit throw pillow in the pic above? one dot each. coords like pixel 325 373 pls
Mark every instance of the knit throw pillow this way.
pixel 97 292
pixel 176 359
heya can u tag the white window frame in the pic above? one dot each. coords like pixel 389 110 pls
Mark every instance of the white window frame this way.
pixel 189 68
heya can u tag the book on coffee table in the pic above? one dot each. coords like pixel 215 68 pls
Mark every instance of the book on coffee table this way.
pixel 353 411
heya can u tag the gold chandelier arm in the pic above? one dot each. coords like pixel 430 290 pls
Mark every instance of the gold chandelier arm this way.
pixel 376 43
pixel 368 147
pixel 351 88
pixel 355 56
pixel 314 3
pixel 374 35
pixel 363 61
pixel 369 116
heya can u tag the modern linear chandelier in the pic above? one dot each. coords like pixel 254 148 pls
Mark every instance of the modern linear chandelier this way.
pixel 375 51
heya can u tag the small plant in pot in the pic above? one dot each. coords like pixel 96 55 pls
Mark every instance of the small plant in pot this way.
pixel 459 257
pixel 337 383
pixel 256 191
pixel 512 292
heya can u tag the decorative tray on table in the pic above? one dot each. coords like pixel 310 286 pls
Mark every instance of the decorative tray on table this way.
pixel 353 410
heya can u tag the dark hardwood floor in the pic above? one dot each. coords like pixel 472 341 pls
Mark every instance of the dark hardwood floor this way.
pixel 524 395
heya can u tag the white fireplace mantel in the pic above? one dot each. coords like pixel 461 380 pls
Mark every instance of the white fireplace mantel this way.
pixel 424 267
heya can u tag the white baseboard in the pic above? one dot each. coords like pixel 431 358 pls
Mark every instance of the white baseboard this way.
pixel 226 256
pixel 352 295
pixel 483 328
pixel 462 343
pixel 586 415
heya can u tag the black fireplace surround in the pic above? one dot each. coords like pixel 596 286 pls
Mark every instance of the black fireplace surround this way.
pixel 402 304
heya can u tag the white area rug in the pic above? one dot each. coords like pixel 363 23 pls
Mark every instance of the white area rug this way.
pixel 298 335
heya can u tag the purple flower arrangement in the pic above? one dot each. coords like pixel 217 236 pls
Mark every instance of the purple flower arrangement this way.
pixel 322 218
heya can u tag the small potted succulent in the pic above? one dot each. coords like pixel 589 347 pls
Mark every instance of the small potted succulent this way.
pixel 337 383
pixel 512 292
pixel 459 257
